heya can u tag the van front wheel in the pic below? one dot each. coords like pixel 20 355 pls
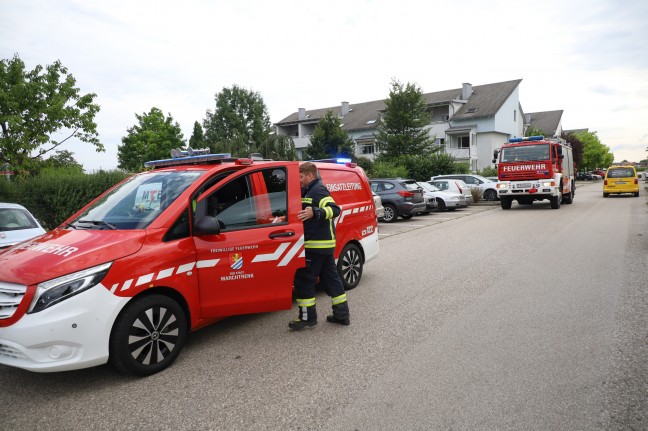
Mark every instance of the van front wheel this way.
pixel 350 266
pixel 148 335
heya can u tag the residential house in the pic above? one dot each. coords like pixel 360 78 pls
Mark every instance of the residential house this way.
pixel 550 122
pixel 467 122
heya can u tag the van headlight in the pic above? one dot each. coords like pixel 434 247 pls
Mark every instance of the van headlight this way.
pixel 59 289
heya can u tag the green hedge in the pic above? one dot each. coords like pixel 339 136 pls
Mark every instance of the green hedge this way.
pixel 419 168
pixel 55 195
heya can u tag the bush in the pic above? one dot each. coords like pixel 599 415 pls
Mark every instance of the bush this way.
pixel 387 170
pixel 419 168
pixel 476 194
pixel 55 195
pixel 488 172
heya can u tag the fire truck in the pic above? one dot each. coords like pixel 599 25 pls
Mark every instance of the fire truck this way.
pixel 533 169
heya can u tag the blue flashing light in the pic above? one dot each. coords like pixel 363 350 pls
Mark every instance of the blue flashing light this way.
pixel 187 160
pixel 342 160
pixel 526 138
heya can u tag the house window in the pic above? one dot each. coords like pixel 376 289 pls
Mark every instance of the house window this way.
pixel 367 148
pixel 514 115
pixel 463 142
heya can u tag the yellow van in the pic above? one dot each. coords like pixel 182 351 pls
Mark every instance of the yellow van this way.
pixel 621 179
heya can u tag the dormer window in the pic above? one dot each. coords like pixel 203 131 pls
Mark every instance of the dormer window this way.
pixel 471 111
pixel 371 121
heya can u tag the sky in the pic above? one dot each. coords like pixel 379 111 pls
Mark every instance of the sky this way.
pixel 588 58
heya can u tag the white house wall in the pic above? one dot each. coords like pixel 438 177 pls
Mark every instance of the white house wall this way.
pixel 509 118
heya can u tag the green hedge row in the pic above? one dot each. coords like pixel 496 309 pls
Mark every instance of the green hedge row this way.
pixel 54 196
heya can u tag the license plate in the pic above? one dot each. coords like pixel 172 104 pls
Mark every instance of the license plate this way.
pixel 620 182
pixel 524 186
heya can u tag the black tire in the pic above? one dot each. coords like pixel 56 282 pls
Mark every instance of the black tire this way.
pixel 490 195
pixel 350 265
pixel 390 214
pixel 555 201
pixel 569 197
pixel 408 216
pixel 441 206
pixel 636 194
pixel 148 335
pixel 606 195
pixel 505 203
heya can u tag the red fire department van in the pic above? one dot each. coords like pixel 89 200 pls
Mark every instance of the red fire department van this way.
pixel 535 168
pixel 165 252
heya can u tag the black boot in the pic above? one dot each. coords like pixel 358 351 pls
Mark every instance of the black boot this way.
pixel 340 314
pixel 307 318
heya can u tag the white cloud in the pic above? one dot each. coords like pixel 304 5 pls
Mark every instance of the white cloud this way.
pixel 588 59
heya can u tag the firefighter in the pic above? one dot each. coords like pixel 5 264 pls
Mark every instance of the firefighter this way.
pixel 318 213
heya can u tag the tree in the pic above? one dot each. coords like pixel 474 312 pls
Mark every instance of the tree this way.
pixel 152 139
pixel 401 131
pixel 36 104
pixel 329 140
pixel 535 131
pixel 239 125
pixel 280 147
pixel 63 159
pixel 197 139
pixel 577 148
pixel 595 154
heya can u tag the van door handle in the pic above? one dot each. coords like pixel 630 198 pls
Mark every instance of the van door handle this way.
pixel 281 234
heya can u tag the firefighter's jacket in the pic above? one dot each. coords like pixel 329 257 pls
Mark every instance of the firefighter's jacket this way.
pixel 319 231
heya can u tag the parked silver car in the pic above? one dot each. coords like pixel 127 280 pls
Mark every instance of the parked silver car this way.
pixel 445 200
pixel 486 187
pixel 456 186
pixel 380 210
pixel 17 225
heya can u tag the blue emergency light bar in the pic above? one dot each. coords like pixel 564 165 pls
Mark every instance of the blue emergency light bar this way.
pixel 187 160
pixel 525 139
pixel 340 160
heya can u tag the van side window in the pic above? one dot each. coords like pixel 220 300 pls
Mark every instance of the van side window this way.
pixel 258 198
pixel 180 228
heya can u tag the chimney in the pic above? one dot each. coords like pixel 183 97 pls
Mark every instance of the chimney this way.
pixel 466 91
pixel 345 109
pixel 301 114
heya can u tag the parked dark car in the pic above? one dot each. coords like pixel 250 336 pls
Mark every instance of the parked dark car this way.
pixel 400 197
pixel 584 176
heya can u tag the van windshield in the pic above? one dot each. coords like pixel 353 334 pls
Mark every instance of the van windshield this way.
pixel 136 202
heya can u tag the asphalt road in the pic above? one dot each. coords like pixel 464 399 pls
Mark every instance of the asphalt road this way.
pixel 481 319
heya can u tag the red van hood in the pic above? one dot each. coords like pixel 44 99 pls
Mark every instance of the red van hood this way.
pixel 61 252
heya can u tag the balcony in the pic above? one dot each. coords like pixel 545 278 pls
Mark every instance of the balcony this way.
pixel 458 153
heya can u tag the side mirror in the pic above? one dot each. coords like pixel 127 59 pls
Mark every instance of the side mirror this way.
pixel 207 226
pixel 561 156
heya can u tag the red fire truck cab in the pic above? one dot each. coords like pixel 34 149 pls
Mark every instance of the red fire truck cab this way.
pixel 165 252
pixel 533 169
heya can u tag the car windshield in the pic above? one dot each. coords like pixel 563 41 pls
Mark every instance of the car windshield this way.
pixel 429 187
pixel 16 219
pixel 525 153
pixel 136 202
pixel 411 185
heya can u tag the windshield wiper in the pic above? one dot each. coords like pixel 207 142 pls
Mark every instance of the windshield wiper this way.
pixel 101 223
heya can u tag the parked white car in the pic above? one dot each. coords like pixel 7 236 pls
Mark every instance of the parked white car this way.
pixel 380 209
pixel 456 186
pixel 487 188
pixel 17 225
pixel 445 200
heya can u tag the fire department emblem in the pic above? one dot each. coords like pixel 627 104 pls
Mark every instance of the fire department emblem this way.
pixel 236 261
